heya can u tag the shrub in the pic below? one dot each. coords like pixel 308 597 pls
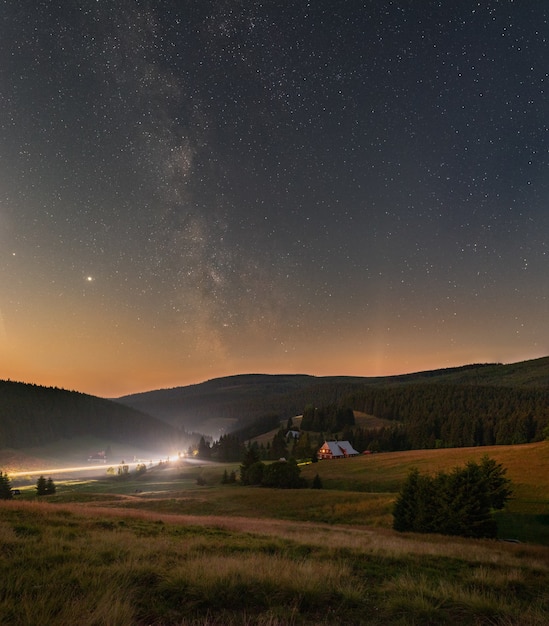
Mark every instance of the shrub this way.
pixel 283 474
pixel 455 503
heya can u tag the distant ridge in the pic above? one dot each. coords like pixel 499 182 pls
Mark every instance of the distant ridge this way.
pixel 229 403
pixel 31 415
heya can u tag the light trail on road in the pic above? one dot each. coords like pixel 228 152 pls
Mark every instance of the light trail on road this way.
pixel 82 468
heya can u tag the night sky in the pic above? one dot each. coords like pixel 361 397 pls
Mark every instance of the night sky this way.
pixel 192 189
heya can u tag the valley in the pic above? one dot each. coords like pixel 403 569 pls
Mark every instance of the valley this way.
pixel 178 544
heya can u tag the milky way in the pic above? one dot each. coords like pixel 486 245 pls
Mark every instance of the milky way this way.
pixel 194 189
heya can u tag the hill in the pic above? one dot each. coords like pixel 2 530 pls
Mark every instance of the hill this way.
pixel 479 404
pixel 224 404
pixel 31 415
pixel 238 402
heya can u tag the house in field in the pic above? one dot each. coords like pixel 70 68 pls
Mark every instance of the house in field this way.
pixel 336 450
pixel 293 434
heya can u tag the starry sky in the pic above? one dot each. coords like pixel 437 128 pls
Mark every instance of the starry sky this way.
pixel 210 187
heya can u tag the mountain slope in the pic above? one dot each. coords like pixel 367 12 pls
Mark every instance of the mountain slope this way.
pixel 31 415
pixel 234 402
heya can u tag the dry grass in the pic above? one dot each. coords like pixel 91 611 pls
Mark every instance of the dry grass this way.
pixel 527 464
pixel 363 540
pixel 87 564
pixel 232 555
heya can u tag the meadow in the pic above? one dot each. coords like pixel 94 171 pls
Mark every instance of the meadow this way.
pixel 161 549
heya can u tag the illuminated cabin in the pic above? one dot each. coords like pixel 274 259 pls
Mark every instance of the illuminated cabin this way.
pixel 336 450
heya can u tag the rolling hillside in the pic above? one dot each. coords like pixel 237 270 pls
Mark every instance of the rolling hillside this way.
pixel 31 415
pixel 233 403
pixel 469 405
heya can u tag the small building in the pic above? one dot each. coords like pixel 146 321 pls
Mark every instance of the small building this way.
pixel 98 457
pixel 336 450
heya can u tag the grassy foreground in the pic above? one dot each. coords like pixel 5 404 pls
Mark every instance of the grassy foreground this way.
pixel 160 549
pixel 88 565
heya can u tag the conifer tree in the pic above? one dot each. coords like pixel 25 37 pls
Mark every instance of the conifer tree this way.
pixel 499 486
pixel 455 503
pixel 41 486
pixel 203 449
pixel 251 457
pixel 279 448
pixel 406 505
pixel 303 448
pixel 5 487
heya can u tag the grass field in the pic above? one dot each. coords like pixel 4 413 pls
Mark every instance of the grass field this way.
pixel 83 564
pixel 160 549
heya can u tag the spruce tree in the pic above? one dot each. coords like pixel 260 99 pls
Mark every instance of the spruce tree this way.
pixel 279 448
pixel 467 504
pixel 455 503
pixel 204 450
pixel 41 486
pixel 499 486
pixel 251 457
pixel 5 487
pixel 406 506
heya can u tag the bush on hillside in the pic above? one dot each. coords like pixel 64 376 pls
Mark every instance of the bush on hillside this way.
pixel 283 475
pixel 456 503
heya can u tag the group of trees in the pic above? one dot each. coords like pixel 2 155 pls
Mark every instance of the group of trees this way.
pixel 453 416
pixel 226 449
pixel 331 418
pixel 460 502
pixel 435 416
pixel 384 439
pixel 230 448
pixel 280 474
pixel 44 487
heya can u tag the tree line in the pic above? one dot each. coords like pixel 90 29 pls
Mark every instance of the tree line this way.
pixel 426 415
pixel 431 416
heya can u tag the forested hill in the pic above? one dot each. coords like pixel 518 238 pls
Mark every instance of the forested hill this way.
pixel 31 415
pixel 235 402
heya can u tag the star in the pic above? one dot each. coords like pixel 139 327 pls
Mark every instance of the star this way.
pixel 270 187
